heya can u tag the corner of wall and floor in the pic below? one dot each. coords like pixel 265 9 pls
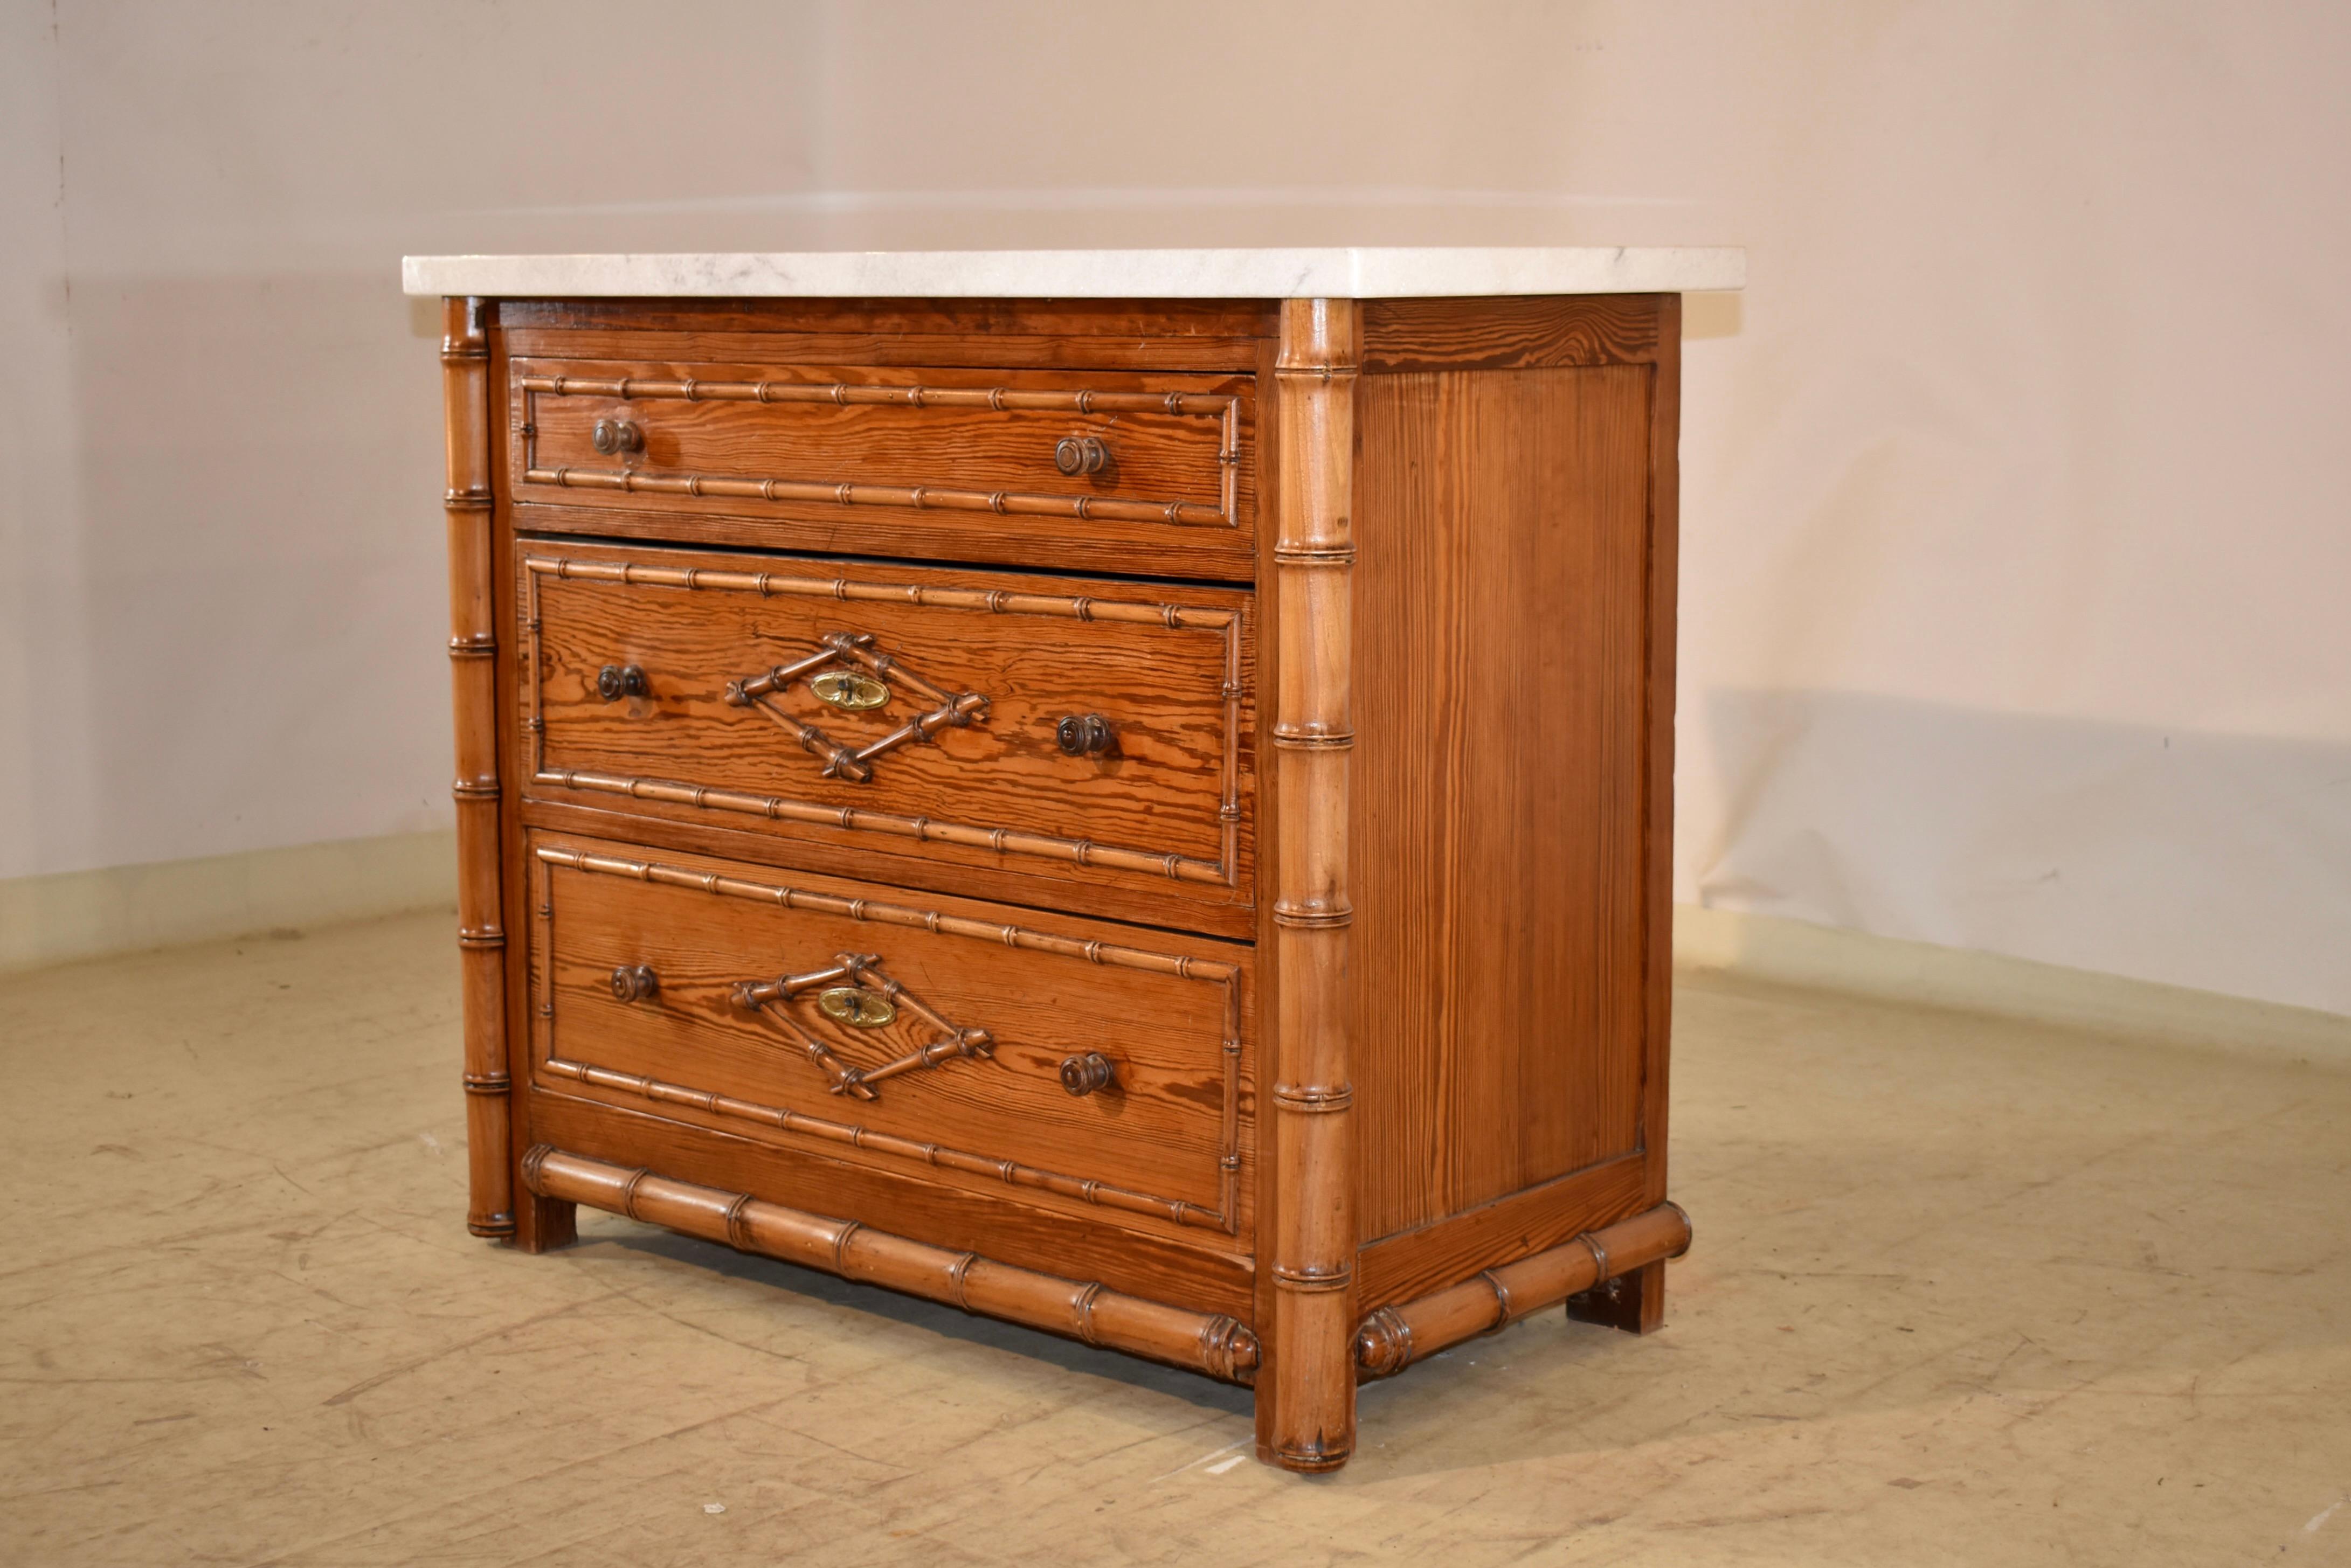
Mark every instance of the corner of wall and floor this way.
pixel 1795 953
pixel 81 915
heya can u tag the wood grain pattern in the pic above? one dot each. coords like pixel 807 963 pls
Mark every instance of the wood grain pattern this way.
pixel 1656 911
pixel 841 432
pixel 1306 1414
pixel 1392 1337
pixel 1401 335
pixel 796 441
pixel 902 862
pixel 738 339
pixel 1167 1145
pixel 1216 1345
pixel 1169 805
pixel 797 446
pixel 1500 967
pixel 1270 1196
pixel 970 537
pixel 1197 1268
pixel 892 336
pixel 1457 961
pixel 473 654
pixel 1109 334
pixel 1448 1251
pixel 541 1223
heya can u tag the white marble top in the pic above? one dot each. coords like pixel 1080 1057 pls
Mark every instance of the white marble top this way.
pixel 1387 272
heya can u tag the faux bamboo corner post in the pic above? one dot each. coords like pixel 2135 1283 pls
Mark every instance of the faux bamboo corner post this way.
pixel 1306 1407
pixel 473 674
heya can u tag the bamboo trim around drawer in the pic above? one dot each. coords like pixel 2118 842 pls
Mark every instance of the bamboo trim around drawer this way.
pixel 1213 1343
pixel 1223 408
pixel 1224 1217
pixel 1179 868
pixel 919 497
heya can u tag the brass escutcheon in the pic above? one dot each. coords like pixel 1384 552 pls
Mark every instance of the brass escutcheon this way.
pixel 856 1006
pixel 851 689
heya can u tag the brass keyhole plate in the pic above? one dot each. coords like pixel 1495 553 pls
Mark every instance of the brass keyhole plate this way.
pixel 851 689
pixel 855 1006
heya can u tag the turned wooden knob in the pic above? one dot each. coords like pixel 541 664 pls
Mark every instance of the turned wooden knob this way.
pixel 635 982
pixel 1084 734
pixel 1080 454
pixel 616 681
pixel 1084 1075
pixel 618 435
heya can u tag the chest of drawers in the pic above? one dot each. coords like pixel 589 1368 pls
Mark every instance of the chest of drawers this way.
pixel 1148 817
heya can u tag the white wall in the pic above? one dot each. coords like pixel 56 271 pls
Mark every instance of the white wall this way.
pixel 2017 505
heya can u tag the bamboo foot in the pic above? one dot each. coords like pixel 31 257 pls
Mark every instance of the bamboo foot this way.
pixel 1633 1302
pixel 545 1224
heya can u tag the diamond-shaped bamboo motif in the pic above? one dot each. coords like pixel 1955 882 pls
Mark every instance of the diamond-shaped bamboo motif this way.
pixel 855 993
pixel 851 652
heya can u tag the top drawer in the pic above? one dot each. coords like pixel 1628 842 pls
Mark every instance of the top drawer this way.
pixel 1142 471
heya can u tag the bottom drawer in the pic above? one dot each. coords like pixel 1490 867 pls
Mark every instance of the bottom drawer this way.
pixel 1087 1066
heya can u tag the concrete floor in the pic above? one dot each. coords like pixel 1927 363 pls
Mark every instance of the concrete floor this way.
pixel 1962 1292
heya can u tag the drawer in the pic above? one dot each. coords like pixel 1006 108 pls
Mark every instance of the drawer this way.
pixel 944 1040
pixel 1031 731
pixel 1030 466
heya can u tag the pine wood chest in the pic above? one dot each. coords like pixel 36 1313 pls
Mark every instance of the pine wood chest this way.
pixel 1147 817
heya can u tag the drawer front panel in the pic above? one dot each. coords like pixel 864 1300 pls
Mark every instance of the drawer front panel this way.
pixel 1050 726
pixel 1092 458
pixel 941 1039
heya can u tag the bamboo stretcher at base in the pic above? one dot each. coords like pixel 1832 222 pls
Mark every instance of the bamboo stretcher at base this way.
pixel 1394 1338
pixel 1221 1346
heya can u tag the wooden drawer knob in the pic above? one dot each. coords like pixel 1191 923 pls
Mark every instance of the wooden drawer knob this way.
pixel 1084 1075
pixel 613 436
pixel 635 982
pixel 1074 455
pixel 616 681
pixel 1084 734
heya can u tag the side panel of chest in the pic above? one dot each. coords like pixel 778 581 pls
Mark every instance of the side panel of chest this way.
pixel 1510 721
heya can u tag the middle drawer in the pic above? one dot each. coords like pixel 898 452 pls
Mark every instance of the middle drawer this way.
pixel 1071 730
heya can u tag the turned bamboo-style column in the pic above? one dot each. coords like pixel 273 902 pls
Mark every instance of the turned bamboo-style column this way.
pixel 1306 1415
pixel 474 673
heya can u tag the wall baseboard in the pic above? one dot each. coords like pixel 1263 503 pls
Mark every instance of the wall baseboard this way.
pixel 1824 958
pixel 126 909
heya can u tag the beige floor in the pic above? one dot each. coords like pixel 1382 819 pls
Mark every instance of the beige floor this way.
pixel 1962 1292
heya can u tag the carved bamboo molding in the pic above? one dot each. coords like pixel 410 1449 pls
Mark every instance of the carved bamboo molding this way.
pixel 473 653
pixel 1394 1338
pixel 1227 624
pixel 1309 1424
pixel 952 709
pixel 800 1123
pixel 1210 1342
pixel 1222 407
